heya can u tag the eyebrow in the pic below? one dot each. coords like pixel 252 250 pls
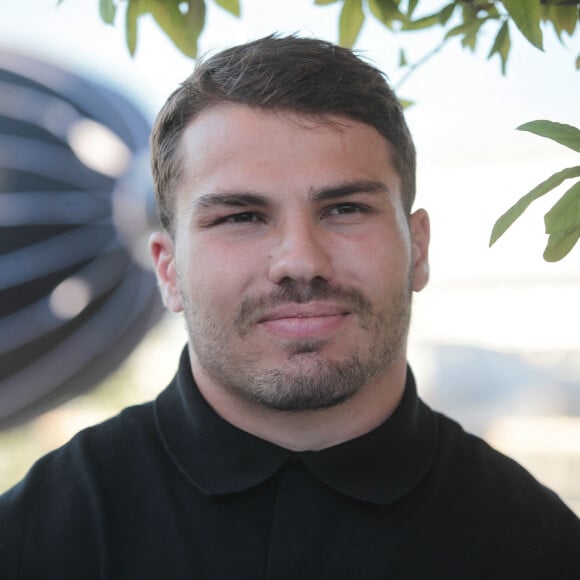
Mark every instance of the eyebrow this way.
pixel 229 199
pixel 349 188
pixel 246 198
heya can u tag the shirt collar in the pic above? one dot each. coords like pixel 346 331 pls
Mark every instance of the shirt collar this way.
pixel 218 458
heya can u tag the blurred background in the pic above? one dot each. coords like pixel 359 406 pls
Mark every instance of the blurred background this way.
pixel 495 340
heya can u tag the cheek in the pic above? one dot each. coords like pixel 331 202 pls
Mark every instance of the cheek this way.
pixel 379 259
pixel 219 276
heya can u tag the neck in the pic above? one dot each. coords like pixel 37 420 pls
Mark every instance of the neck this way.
pixel 309 430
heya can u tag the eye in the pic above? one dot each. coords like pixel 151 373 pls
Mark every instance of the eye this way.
pixel 346 209
pixel 245 217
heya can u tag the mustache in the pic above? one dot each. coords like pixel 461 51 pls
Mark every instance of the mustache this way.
pixel 292 292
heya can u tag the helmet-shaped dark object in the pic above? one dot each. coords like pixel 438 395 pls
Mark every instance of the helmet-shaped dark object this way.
pixel 75 205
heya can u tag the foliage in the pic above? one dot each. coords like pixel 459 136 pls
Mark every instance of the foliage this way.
pixel 465 19
pixel 184 20
pixel 563 220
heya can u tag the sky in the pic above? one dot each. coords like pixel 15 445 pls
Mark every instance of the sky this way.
pixel 473 164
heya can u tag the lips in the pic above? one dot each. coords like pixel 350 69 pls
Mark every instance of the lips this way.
pixel 310 310
pixel 312 320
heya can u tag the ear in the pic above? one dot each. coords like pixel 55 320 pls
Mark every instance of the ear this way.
pixel 420 236
pixel 162 250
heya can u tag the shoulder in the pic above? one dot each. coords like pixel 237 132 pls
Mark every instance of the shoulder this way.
pixel 474 461
pixel 95 454
pixel 467 460
pixel 523 519
pixel 62 499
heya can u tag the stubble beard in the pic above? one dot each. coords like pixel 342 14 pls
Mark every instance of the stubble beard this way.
pixel 307 380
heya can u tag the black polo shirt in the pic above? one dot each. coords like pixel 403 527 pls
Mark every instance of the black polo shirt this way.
pixel 170 490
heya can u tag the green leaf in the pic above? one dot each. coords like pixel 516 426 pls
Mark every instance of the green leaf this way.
pixel 470 39
pixel 564 217
pixel 492 11
pixel 422 23
pixel 386 12
pixel 446 13
pixel 351 21
pixel 559 245
pixel 526 15
pixel 402 58
pixel 324 2
pixel 193 23
pixel 512 214
pixel 561 133
pixel 232 6
pixel 466 28
pixel 578 62
pixel 131 25
pixel 411 7
pixel 468 12
pixel 406 103
pixel 107 11
pixel 183 29
pixel 563 18
pixel 502 45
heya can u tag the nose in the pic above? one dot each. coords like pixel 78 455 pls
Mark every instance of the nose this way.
pixel 300 253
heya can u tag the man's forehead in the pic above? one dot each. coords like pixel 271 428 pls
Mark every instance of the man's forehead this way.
pixel 233 147
pixel 223 115
pixel 218 123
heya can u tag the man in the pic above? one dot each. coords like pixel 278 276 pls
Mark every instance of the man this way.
pixel 291 443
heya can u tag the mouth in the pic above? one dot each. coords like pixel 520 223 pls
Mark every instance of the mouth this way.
pixel 301 321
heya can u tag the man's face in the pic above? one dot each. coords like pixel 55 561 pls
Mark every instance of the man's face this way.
pixel 292 260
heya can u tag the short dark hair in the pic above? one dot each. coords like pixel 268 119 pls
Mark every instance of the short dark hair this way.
pixel 302 75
